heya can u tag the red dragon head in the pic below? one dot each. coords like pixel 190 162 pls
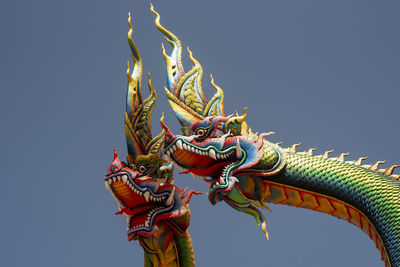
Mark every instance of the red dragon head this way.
pixel 143 187
pixel 221 149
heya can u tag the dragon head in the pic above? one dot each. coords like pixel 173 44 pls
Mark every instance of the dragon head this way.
pixel 143 187
pixel 146 200
pixel 218 149
pixel 221 149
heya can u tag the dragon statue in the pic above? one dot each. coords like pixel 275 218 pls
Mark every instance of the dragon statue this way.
pixel 156 210
pixel 245 170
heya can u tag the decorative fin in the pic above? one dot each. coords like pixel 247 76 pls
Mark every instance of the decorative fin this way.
pixel 375 166
pixel 133 95
pixel 156 145
pixel 215 106
pixel 341 156
pixel 360 160
pixel 253 211
pixel 138 112
pixel 140 123
pixel 326 153
pixel 395 176
pixel 292 149
pixel 310 151
pixel 184 90
pixel 174 63
pixel 389 171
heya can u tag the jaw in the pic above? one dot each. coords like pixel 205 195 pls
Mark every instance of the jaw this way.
pixel 214 162
pixel 144 202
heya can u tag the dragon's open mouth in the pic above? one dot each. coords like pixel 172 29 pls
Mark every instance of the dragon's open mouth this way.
pixel 212 164
pixel 143 200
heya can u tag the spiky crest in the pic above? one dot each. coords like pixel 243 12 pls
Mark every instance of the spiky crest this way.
pixel 184 90
pixel 138 112
pixel 373 167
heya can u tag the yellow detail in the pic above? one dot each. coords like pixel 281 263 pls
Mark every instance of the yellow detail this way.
pixel 277 194
pixel 264 228
pixel 365 225
pixel 324 205
pixel 309 201
pixel 294 198
pixel 292 149
pixel 355 217
pixel 341 156
pixel 179 108
pixel 340 210
pixel 325 155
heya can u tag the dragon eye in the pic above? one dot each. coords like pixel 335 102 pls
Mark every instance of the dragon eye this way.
pixel 142 169
pixel 201 132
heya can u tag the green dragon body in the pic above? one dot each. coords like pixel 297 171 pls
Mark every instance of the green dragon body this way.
pixel 156 211
pixel 245 170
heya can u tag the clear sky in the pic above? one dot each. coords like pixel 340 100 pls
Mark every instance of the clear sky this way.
pixel 324 73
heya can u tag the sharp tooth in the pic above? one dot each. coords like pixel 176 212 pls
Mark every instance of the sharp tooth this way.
pixel 167 157
pixel 114 179
pixel 168 152
pixel 179 144
pixel 118 177
pixel 107 185
pixel 211 153
pixel 146 195
pixel 174 147
pixel 184 146
pixel 192 149
pixel 234 179
pixel 217 183
pixel 110 181
pixel 221 180
pixel 146 223
pixel 222 138
pixel 171 197
pixel 238 149
pixel 151 198
pixel 125 178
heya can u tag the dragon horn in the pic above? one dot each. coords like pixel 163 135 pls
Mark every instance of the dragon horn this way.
pixel 174 65
pixel 138 112
pixel 134 96
pixel 184 90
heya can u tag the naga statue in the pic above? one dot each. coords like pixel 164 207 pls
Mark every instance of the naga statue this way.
pixel 157 211
pixel 245 170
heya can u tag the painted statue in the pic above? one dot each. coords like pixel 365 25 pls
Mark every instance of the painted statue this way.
pixel 157 211
pixel 245 170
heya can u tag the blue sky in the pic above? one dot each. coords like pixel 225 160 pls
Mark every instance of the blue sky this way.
pixel 324 73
